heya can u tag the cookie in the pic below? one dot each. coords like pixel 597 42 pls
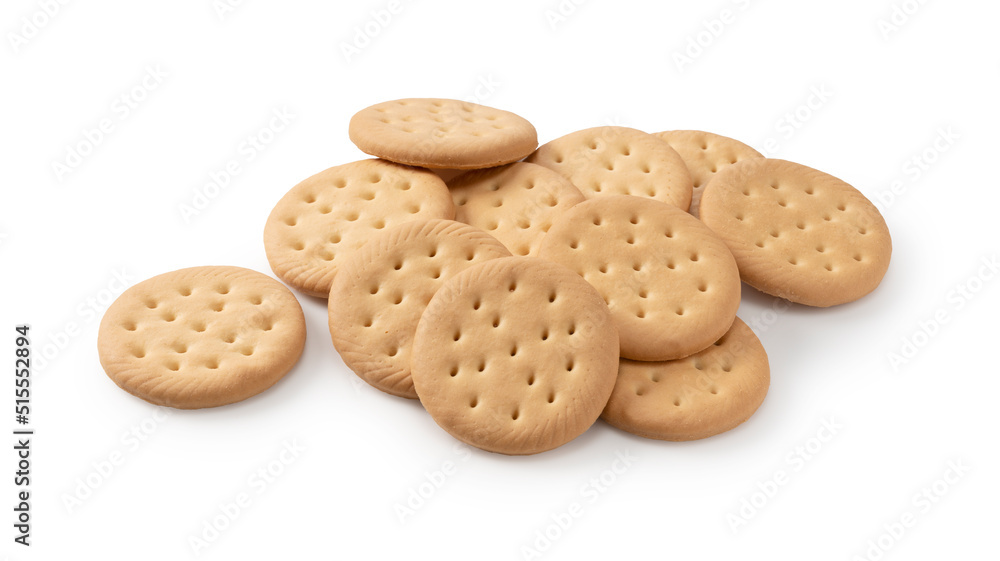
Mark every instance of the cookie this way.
pixel 695 397
pixel 618 161
pixel 442 133
pixel 381 290
pixel 335 212
pixel 672 285
pixel 515 203
pixel 515 355
pixel 201 337
pixel 705 154
pixel 798 233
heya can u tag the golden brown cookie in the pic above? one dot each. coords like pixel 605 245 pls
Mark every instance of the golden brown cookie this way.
pixel 381 290
pixel 705 154
pixel 695 397
pixel 515 203
pixel 515 355
pixel 442 133
pixel 798 233
pixel 618 161
pixel 201 337
pixel 335 212
pixel 672 285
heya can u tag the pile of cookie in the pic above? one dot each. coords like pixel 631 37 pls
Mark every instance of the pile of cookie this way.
pixel 519 292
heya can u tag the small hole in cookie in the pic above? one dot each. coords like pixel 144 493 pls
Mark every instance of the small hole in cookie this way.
pixel 574 244
pixel 572 329
pixel 828 267
pixel 514 415
pixel 198 327
pixel 393 352
pixel 677 402
pixel 641 314
pixel 775 233
pixel 131 326
pixel 230 338
pixel 694 257
pixel 436 274
pixel 827 217
pixel 727 367
pixel 630 240
pixel 513 351
pixel 453 372
pixel 222 289
pixel 809 190
pixel 739 217
pixel 570 365
pixel 173 366
pixel 626 151
pixel 610 166
pixel 545 335
pixel 352 216
pixel 397 299
pixel 782 203
pixel 637 267
pixel 669 234
pixel 793 260
pixel 714 169
pixel 298 246
pixel 212 364
pixel 746 192
pixel 378 224
pixel 645 169
pixel 218 306
pixel 800 225
pixel 397 265
pixel 368 322
pixel 531 380
pixel 152 304
pixel 643 293
pixel 671 265
pixel 760 243
pixel 496 322
pixel 474 403
pixel 169 317
pixel 512 286
pixel 482 366
pixel 310 198
pixel 841 207
pixel 774 185
pixel 862 231
pixel 638 391
pixel 703 287
pixel 335 239
pixel 857 257
pixel 185 291
pixel 552 397
pixel 713 390
pixel 325 209
pixel 291 221
pixel 413 209
pixel 603 268
pixel 597 221
pixel 139 353
pixel 179 348
pixel 246 351
pixel 457 336
pixel 820 249
pixel 679 311
pixel 268 326
pixel 476 305
pixel 552 297
pixel 256 300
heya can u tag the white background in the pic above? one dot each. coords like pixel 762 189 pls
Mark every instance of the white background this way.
pixel 888 95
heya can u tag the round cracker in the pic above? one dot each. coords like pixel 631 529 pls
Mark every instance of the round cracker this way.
pixel 515 203
pixel 335 212
pixel 442 133
pixel 515 355
pixel 705 154
pixel 381 290
pixel 618 161
pixel 798 233
pixel 672 285
pixel 201 337
pixel 696 397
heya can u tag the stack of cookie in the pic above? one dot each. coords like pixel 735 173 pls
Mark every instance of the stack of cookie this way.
pixel 521 292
